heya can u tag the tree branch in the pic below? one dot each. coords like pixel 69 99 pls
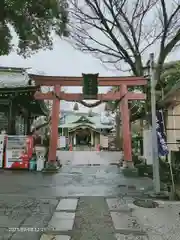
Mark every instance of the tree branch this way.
pixel 111 10
pixel 166 49
pixel 114 39
pixel 123 31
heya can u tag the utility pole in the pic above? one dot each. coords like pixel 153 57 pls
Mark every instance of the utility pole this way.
pixel 156 176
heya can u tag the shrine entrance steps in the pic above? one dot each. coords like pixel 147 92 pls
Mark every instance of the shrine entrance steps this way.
pixel 89 157
pixel 83 148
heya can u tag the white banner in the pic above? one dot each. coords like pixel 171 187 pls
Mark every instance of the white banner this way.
pixel 62 142
pixel 104 141
pixel 147 146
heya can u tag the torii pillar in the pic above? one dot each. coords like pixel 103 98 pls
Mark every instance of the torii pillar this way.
pixel 126 131
pixel 123 95
pixel 54 126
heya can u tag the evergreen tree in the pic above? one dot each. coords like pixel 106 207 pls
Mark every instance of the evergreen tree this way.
pixel 33 21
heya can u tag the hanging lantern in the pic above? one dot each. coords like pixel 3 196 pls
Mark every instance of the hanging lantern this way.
pixel 76 107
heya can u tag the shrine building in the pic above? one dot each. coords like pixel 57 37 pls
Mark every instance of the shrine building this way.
pixel 84 128
pixel 18 107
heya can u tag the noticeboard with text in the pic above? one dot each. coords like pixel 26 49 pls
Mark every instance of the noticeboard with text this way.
pixel 15 145
pixel 90 86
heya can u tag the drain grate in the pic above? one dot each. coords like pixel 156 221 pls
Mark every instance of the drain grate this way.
pixel 145 203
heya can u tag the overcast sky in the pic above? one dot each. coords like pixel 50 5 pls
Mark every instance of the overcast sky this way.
pixel 64 60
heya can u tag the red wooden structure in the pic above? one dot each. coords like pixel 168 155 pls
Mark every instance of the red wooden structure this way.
pixel 123 95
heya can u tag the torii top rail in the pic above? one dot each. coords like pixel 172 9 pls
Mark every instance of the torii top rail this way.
pixel 122 94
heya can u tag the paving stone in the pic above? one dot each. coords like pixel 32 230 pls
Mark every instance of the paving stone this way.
pixel 64 215
pixel 117 204
pixel 54 237
pixel 124 221
pixel 67 204
pixel 130 237
pixel 62 221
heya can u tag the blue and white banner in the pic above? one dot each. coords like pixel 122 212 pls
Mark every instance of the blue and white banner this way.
pixel 161 136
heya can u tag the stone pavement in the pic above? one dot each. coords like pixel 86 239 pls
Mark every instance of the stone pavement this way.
pixel 115 219
pixel 82 203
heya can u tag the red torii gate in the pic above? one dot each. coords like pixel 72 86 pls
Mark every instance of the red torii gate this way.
pixel 123 95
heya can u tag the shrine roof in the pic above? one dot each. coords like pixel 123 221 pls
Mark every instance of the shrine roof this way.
pixel 74 120
pixel 16 82
pixel 13 77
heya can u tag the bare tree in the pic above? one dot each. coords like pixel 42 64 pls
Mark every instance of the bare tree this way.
pixel 121 32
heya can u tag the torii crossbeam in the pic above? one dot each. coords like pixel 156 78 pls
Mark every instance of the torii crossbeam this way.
pixel 123 95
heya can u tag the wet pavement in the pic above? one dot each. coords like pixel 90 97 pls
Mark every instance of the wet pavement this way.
pixel 72 181
pixel 80 203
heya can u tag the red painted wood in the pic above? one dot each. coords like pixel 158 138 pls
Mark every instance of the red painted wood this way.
pixel 78 81
pixel 44 96
pixel 126 131
pixel 79 96
pixel 123 82
pixel 54 126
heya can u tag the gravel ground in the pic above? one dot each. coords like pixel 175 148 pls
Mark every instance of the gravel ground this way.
pixel 93 220
pixel 24 217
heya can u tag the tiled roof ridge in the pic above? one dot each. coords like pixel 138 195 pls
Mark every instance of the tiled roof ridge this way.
pixel 78 113
pixel 13 77
pixel 13 69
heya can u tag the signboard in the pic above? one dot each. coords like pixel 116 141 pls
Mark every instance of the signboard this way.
pixel 104 141
pixel 14 147
pixel 90 86
pixel 62 142
pixel 161 136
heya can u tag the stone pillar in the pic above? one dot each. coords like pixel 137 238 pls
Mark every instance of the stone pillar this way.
pixel 126 132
